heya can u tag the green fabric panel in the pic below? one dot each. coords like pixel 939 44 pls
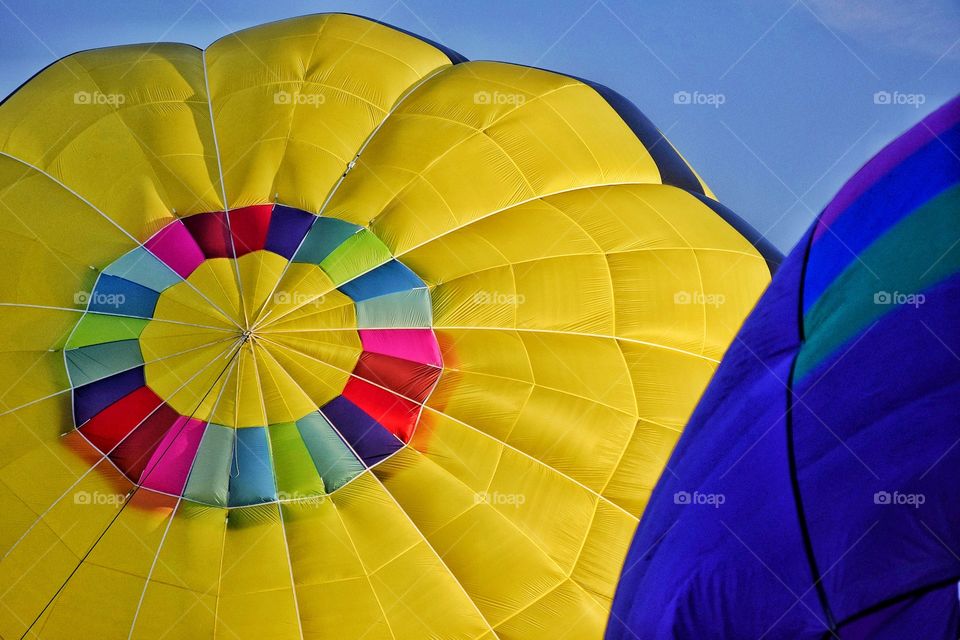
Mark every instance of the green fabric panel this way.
pixel 333 459
pixel 297 476
pixel 96 328
pixel 358 254
pixel 145 269
pixel 210 476
pixel 903 261
pixel 410 309
pixel 89 364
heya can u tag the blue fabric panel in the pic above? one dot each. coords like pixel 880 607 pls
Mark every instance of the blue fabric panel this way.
pixel 931 615
pixel 91 399
pixel 251 477
pixel 288 226
pixel 389 277
pixel 324 236
pixel 912 183
pixel 875 435
pixel 122 297
pixel 145 269
pixel 366 436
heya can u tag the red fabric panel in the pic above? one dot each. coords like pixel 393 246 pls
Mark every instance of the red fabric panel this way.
pixel 249 226
pixel 133 454
pixel 111 425
pixel 211 233
pixel 396 414
pixel 413 380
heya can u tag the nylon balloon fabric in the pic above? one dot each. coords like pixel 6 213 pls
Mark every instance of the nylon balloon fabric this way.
pixel 326 332
pixel 813 493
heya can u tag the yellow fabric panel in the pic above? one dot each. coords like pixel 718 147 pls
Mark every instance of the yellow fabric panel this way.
pixel 187 381
pixel 484 299
pixel 640 466
pixel 488 403
pixel 294 100
pixel 128 128
pixel 296 295
pixel 667 383
pixel 30 439
pixel 660 298
pixel 585 438
pixel 31 367
pixel 492 352
pixel 463 452
pixel 725 313
pixel 242 402
pixel 433 605
pixel 257 598
pixel 589 366
pixel 334 590
pixel 601 558
pixel 501 239
pixel 181 597
pixel 43 559
pixel 539 619
pixel 214 284
pixel 114 572
pixel 161 340
pixel 42 260
pixel 532 505
pixel 188 302
pixel 259 272
pixel 315 372
pixel 284 397
pixel 449 156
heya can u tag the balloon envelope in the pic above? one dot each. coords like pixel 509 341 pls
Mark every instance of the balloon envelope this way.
pixel 326 332
pixel 813 492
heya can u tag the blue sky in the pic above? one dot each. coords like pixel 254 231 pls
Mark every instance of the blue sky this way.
pixel 774 102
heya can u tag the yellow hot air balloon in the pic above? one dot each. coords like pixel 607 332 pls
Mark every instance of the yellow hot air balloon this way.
pixel 325 332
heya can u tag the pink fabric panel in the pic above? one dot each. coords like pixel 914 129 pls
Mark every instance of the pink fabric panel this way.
pixel 176 248
pixel 417 345
pixel 171 461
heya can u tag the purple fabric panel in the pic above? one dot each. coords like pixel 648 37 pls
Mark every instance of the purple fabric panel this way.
pixel 366 436
pixel 878 465
pixel 91 399
pixel 288 226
